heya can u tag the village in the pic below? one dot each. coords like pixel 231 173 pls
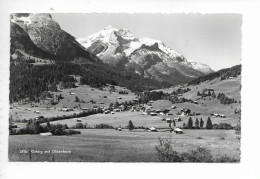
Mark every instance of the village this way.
pixel 188 114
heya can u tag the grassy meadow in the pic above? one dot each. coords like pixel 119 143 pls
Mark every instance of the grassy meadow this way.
pixel 108 145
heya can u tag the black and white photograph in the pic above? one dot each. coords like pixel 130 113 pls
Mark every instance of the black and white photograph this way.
pixel 129 89
pixel 113 87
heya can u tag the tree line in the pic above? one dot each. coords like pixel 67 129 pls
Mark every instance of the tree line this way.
pixel 29 81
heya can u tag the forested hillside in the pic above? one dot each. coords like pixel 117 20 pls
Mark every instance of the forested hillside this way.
pixel 223 73
pixel 29 81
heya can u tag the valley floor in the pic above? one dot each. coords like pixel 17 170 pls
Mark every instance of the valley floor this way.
pixel 109 145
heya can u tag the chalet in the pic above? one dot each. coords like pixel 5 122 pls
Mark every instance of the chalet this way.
pixel 153 114
pixel 46 134
pixel 117 110
pixel 178 131
pixel 107 111
pixel 222 116
pixel 168 120
pixel 177 119
pixel 152 129
pixel 186 111
pixel 195 102
pixel 215 115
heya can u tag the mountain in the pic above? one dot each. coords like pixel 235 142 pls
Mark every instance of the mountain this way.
pixel 47 36
pixel 147 57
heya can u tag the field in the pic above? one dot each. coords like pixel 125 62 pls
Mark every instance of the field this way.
pixel 99 145
pixel 108 145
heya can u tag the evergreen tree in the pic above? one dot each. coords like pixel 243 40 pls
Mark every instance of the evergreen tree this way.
pixel 213 95
pixel 197 124
pixel 209 124
pixel 76 99
pixel 130 125
pixel 201 123
pixel 190 123
pixel 48 125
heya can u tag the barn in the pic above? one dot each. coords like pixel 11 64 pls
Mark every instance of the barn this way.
pixel 178 131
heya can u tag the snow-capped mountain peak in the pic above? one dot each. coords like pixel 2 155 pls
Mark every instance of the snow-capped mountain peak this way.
pixel 146 56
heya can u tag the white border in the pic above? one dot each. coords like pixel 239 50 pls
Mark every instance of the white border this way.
pixel 248 168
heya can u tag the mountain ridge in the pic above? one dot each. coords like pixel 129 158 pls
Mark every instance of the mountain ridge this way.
pixel 115 46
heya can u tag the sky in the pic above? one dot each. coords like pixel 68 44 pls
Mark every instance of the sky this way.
pixel 212 39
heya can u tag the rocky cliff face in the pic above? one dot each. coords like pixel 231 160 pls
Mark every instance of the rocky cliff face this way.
pixel 47 35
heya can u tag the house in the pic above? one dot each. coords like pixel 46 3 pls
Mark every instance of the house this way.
pixel 46 134
pixel 161 113
pixel 117 110
pixel 65 109
pixel 186 110
pixel 152 129
pixel 153 114
pixel 112 112
pixel 78 120
pixel 119 129
pixel 107 112
pixel 178 131
pixel 163 119
pixel 119 97
pixel 195 102
pixel 84 109
pixel 222 116
pixel 169 114
pixel 71 93
pixel 215 115
pixel 38 112
pixel 145 113
pixel 173 107
pixel 168 120
pixel 177 119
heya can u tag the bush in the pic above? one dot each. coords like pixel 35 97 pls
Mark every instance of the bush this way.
pixel 166 153
pixel 79 126
pixel 200 154
pixel 103 126
pixel 70 132
pixel 225 159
